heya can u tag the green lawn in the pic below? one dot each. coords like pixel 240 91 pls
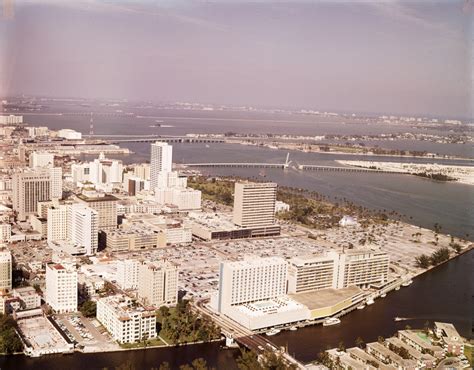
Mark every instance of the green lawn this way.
pixel 149 343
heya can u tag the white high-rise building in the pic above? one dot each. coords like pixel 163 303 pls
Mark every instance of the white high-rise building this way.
pixel 251 280
pixel 11 120
pixel 171 180
pixel 186 199
pixel 158 283
pixel 84 227
pixel 5 270
pixel 41 159
pixel 127 274
pixel 362 268
pixel 101 172
pixel 160 161
pixel 58 223
pixel 34 185
pixel 61 287
pixel 254 204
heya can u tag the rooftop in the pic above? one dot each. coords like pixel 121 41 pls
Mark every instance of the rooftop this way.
pixel 325 297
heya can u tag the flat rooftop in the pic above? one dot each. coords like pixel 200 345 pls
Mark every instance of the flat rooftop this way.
pixel 325 297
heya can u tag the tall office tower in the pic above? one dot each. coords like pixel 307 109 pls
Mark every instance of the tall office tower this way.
pixel 251 280
pixel 34 185
pixel 127 274
pixel 160 161
pixel 5 270
pixel 105 205
pixel 83 227
pixel 254 204
pixel 158 283
pixel 58 223
pixel 41 159
pixel 61 287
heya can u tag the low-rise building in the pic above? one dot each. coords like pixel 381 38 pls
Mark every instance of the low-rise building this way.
pixel 126 321
pixel 413 339
pixel 453 343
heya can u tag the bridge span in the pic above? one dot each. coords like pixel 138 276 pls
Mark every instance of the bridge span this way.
pixel 311 167
pixel 153 139
pixel 241 165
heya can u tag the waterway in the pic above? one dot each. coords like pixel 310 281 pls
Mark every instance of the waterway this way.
pixel 444 294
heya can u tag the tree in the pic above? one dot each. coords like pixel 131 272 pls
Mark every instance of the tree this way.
pixel 423 261
pixel 359 342
pixel 248 360
pixel 341 347
pixel 164 366
pixel 199 364
pixel 380 339
pixel 89 308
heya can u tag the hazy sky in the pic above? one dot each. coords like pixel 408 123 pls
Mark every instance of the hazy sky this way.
pixel 380 56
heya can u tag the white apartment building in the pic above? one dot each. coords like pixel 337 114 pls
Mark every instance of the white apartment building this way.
pixel 84 227
pixel 171 180
pixel 58 223
pixel 37 131
pixel 5 232
pixel 158 283
pixel 101 172
pixel 363 267
pixel 61 287
pixel 11 120
pixel 41 159
pixel 185 199
pixel 178 232
pixel 126 323
pixel 254 204
pixel 360 267
pixel 127 274
pixel 313 273
pixel 34 185
pixel 251 280
pixel 160 161
pixel 5 270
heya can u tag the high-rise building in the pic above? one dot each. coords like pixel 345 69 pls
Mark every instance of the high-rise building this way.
pixel 58 223
pixel 101 172
pixel 105 205
pixel 158 283
pixel 361 267
pixel 83 227
pixel 34 185
pixel 5 270
pixel 254 204
pixel 61 287
pixel 5 232
pixel 251 280
pixel 254 208
pixel 160 161
pixel 127 274
pixel 11 120
pixel 41 159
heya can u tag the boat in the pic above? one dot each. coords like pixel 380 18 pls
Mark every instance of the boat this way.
pixel 370 301
pixel 272 332
pixel 331 321
pixel 293 328
pixel 383 295
pixel 400 318
pixel 397 288
pixel 361 307
pixel 207 146
pixel 407 283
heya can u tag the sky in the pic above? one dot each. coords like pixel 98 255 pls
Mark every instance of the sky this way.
pixel 358 56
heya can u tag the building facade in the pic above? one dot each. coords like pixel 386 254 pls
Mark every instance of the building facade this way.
pixel 158 283
pixel 61 287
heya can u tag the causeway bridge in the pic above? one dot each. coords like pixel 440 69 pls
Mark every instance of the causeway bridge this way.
pixel 311 167
pixel 117 139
